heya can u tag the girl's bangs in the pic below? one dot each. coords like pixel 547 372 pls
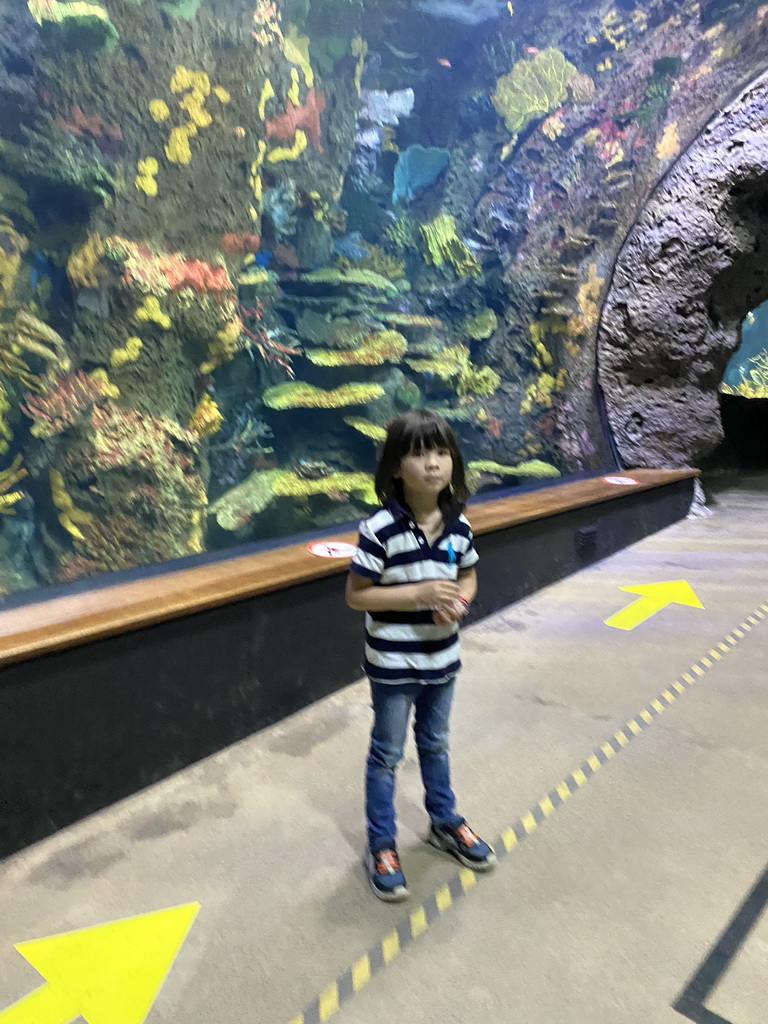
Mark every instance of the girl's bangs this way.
pixel 427 435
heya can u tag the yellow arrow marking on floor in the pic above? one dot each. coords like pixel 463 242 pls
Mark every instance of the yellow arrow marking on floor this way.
pixel 107 974
pixel 654 597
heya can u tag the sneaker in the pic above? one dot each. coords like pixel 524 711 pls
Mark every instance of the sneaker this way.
pixel 385 876
pixel 462 843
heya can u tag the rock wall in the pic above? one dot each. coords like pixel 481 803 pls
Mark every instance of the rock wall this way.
pixel 690 270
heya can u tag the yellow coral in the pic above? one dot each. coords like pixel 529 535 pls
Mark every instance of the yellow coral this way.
pixel 83 268
pixel 9 478
pixel 443 245
pixel 267 93
pixel 669 144
pixel 613 30
pixel 366 428
pixel 359 48
pixel 184 79
pixel 150 312
pixel 128 354
pixel 300 395
pixel 542 390
pixel 108 388
pixel 159 110
pixel 377 260
pixel 291 485
pixel 293 92
pixel 6 434
pixel 292 153
pixel 194 104
pixel 222 95
pixel 177 148
pixel 71 518
pixel 534 468
pixel 12 248
pixel 454 364
pixel 224 348
pixel 296 50
pixel 588 298
pixel 756 385
pixel 533 88
pixel 381 347
pixel 145 179
pixel 207 418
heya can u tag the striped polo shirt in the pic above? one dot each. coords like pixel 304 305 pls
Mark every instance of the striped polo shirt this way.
pixel 407 647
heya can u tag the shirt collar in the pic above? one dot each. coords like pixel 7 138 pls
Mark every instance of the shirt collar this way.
pixel 400 510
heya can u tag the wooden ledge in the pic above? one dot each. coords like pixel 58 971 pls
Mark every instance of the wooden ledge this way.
pixel 61 622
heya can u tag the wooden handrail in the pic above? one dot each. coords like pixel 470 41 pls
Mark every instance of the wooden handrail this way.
pixel 56 623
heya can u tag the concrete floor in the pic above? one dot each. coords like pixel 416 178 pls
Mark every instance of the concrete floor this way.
pixel 605 913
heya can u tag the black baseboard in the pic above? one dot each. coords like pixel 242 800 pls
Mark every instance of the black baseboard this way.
pixel 85 727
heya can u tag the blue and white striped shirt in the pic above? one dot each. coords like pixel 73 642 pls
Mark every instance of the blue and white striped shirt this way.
pixel 407 647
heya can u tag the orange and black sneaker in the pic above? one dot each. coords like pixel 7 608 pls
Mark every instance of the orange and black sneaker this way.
pixel 385 875
pixel 463 844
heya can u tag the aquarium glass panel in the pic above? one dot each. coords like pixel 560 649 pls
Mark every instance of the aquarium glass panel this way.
pixel 237 237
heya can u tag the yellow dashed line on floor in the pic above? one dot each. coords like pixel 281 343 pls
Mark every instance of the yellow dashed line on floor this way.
pixel 418 921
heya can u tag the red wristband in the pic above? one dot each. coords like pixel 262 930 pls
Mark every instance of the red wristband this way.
pixel 465 602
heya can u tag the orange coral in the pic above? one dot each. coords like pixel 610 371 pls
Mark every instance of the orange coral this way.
pixel 307 117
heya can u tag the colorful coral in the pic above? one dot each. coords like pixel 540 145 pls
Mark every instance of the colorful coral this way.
pixel 67 402
pixel 307 117
pixel 26 333
pixel 162 272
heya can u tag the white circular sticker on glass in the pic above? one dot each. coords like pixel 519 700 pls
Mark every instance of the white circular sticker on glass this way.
pixel 324 549
pixel 621 481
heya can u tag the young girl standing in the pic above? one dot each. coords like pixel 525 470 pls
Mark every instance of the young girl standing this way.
pixel 413 574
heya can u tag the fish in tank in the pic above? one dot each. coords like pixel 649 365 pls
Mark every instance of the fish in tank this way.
pixel 238 236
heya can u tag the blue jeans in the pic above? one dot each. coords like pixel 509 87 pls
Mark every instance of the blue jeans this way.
pixel 391 709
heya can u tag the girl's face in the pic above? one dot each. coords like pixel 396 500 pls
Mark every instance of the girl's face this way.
pixel 426 473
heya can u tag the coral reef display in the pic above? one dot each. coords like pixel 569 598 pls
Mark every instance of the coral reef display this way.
pixel 237 238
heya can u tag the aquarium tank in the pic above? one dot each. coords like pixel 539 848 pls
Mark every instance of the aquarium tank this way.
pixel 238 236
pixel 747 372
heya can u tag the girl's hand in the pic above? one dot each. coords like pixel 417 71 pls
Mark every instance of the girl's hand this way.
pixel 437 593
pixel 452 612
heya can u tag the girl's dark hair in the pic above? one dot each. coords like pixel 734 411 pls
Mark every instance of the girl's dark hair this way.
pixel 410 434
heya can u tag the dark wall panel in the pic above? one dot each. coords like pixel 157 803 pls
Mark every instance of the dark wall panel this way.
pixel 85 727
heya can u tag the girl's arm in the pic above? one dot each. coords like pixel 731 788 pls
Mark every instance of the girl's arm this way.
pixel 364 596
pixel 468 584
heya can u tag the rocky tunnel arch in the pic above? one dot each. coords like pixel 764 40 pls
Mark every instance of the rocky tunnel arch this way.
pixel 693 265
